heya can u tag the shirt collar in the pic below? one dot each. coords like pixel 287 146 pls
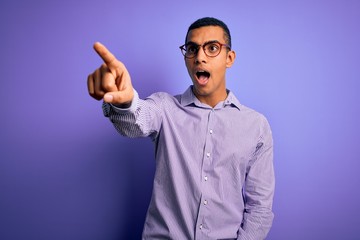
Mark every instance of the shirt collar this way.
pixel 188 98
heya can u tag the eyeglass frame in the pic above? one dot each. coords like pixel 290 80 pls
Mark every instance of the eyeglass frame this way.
pixel 183 50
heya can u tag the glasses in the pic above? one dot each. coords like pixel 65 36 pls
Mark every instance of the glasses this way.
pixel 211 49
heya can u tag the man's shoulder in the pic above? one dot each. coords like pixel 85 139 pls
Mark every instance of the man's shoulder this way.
pixel 164 99
pixel 163 96
pixel 252 114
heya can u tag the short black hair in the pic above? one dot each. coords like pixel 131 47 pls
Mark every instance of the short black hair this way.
pixel 210 21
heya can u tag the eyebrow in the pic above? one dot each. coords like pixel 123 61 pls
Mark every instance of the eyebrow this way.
pixel 207 42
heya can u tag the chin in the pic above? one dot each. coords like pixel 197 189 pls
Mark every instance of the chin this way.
pixel 201 90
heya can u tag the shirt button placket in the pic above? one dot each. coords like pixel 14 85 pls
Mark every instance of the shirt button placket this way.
pixel 207 160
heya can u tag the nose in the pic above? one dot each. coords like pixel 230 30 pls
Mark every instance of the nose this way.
pixel 200 56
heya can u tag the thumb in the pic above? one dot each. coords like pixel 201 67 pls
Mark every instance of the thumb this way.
pixel 119 97
pixel 108 97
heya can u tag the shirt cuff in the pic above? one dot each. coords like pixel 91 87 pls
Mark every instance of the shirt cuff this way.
pixel 131 108
pixel 108 107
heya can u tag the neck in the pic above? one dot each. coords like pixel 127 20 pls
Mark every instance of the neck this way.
pixel 211 100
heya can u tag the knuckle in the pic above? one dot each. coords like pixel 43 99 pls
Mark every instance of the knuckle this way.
pixel 99 92
pixel 95 96
pixel 90 78
pixel 108 81
pixel 107 85
pixel 103 67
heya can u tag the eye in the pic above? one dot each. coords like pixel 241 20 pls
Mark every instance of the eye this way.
pixel 212 47
pixel 191 48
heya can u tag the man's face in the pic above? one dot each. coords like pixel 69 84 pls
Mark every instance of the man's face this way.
pixel 208 73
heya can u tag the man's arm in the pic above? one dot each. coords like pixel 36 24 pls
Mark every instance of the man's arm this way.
pixel 111 82
pixel 259 189
pixel 141 118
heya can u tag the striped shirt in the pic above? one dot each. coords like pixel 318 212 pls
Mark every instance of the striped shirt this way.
pixel 214 175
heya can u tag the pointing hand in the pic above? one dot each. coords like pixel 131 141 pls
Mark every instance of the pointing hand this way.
pixel 111 81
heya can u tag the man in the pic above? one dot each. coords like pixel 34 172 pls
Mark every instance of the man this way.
pixel 214 174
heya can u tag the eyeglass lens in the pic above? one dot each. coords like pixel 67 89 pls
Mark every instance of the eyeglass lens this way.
pixel 211 49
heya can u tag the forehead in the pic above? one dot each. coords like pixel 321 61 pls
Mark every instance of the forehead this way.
pixel 204 34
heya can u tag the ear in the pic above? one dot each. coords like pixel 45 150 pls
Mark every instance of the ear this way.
pixel 230 58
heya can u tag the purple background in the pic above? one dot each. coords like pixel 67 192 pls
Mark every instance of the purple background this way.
pixel 66 174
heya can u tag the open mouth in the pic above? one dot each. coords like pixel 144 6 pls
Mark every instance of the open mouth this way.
pixel 203 77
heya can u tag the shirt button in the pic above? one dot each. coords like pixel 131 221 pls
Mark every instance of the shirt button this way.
pixel 201 226
pixel 205 202
pixel 205 178
pixel 208 154
pixel 211 131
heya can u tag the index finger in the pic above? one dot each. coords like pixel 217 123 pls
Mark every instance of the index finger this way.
pixel 105 54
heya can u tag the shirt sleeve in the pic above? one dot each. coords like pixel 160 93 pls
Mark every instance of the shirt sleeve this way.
pixel 259 189
pixel 141 119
